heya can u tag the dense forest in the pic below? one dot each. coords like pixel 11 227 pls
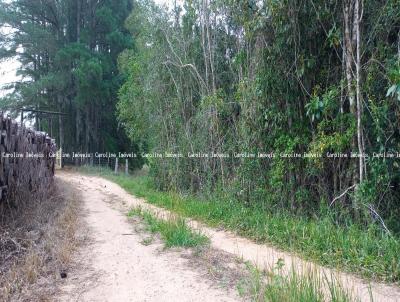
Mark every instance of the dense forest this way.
pixel 237 77
pixel 289 77
pixel 68 52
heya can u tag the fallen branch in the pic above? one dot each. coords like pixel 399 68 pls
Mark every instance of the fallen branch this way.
pixel 341 195
pixel 375 213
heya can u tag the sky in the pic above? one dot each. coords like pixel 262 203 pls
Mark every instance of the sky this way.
pixel 8 68
pixel 7 73
pixel 169 3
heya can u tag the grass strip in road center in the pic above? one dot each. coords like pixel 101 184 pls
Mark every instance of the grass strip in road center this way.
pixel 174 231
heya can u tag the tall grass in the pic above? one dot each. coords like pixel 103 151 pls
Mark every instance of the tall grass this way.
pixel 275 286
pixel 367 252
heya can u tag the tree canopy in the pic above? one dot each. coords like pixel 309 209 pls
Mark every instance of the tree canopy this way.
pixel 68 52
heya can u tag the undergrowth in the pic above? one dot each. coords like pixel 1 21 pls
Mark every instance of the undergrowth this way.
pixel 37 244
pixel 277 286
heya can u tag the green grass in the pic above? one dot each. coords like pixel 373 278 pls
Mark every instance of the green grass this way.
pixel 275 286
pixel 174 232
pixel 369 253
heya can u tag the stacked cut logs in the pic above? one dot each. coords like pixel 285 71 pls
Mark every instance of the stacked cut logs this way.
pixel 27 161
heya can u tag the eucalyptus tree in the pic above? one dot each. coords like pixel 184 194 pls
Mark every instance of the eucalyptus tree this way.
pixel 293 77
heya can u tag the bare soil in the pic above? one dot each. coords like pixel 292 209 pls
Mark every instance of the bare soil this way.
pixel 120 268
pixel 118 264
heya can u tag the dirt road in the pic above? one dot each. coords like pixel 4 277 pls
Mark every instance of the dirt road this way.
pixel 125 270
pixel 117 266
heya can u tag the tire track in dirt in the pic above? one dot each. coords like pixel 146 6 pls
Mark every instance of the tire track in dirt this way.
pixel 116 266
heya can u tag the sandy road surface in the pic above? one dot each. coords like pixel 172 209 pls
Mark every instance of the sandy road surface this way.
pixel 263 256
pixel 116 266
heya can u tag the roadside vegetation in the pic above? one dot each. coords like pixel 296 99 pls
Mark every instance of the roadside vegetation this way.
pixel 367 252
pixel 290 106
pixel 275 286
pixel 37 242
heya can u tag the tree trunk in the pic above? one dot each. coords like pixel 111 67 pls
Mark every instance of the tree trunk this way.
pixel 78 20
pixel 358 90
pixel 87 129
pixel 78 132
pixel 61 126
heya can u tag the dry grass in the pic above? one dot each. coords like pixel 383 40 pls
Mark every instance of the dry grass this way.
pixel 224 270
pixel 36 245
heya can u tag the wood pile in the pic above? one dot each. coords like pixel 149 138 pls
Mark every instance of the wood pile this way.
pixel 27 162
